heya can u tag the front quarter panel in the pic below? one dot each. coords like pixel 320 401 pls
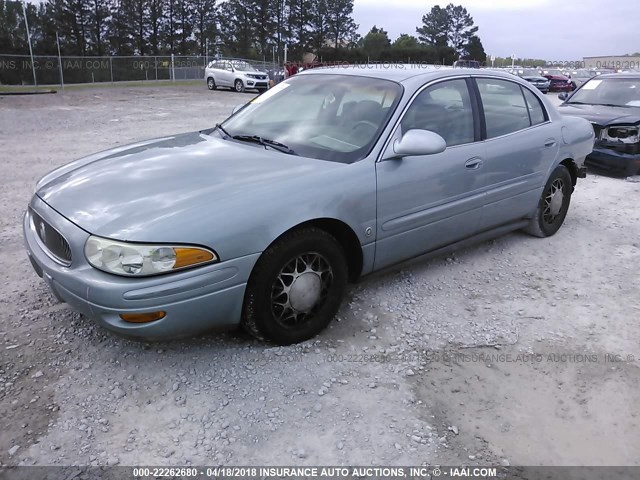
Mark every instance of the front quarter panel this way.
pixel 250 224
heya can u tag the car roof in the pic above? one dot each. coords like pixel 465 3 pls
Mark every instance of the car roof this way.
pixel 402 72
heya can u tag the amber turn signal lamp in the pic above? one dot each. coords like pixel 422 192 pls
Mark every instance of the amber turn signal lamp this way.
pixel 142 317
pixel 191 256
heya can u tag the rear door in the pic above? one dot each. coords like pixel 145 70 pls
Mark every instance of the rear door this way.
pixel 521 144
pixel 225 73
pixel 425 202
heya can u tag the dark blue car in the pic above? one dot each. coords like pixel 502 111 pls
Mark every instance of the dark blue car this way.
pixel 612 104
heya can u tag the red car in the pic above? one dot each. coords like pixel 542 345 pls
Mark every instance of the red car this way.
pixel 558 81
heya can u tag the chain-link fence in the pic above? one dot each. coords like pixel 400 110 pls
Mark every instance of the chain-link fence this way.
pixel 54 70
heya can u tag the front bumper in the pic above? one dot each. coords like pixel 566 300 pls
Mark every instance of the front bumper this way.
pixel 254 83
pixel 543 87
pixel 614 162
pixel 195 300
pixel 560 87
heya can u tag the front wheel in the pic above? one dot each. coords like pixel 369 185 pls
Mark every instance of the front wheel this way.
pixel 296 287
pixel 553 205
pixel 239 86
pixel 211 83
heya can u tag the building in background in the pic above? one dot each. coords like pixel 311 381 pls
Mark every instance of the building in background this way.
pixel 619 62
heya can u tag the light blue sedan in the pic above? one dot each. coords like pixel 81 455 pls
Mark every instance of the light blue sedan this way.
pixel 333 174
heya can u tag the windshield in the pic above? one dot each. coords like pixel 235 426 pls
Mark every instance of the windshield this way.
pixel 328 117
pixel 243 66
pixel 580 74
pixel 623 92
pixel 529 72
pixel 553 72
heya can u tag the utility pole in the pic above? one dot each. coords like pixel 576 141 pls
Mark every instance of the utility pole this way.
pixel 26 24
pixel 60 61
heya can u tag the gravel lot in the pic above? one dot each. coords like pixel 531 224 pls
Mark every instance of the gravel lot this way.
pixel 494 355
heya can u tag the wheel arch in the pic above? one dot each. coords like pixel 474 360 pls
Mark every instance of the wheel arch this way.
pixel 345 236
pixel 573 169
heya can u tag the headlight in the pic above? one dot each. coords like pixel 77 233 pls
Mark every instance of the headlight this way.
pixel 132 259
pixel 624 134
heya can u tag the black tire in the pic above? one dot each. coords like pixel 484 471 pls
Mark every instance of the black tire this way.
pixel 238 86
pixel 211 83
pixel 264 314
pixel 552 210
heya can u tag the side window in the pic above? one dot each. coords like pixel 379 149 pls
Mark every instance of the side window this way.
pixel 443 108
pixel 536 110
pixel 505 110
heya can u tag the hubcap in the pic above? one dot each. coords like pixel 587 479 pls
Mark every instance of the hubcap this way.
pixel 305 291
pixel 300 289
pixel 210 83
pixel 238 86
pixel 553 201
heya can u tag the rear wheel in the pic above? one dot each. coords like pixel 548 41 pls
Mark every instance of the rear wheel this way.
pixel 211 83
pixel 296 287
pixel 239 86
pixel 553 205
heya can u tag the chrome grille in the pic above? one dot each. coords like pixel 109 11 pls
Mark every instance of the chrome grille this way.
pixel 51 239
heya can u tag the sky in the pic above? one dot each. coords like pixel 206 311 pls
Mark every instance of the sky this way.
pixel 562 30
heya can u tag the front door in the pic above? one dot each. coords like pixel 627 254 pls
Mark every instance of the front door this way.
pixel 425 202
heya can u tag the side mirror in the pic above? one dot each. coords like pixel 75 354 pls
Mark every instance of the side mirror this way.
pixel 237 108
pixel 563 96
pixel 418 142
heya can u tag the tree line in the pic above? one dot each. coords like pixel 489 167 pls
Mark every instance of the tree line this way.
pixel 256 29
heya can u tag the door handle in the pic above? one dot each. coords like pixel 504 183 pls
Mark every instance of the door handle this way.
pixel 473 163
pixel 550 143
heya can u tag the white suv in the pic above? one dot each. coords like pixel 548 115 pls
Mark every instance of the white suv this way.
pixel 236 74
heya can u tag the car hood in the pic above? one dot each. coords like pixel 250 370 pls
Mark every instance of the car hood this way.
pixel 601 114
pixel 128 192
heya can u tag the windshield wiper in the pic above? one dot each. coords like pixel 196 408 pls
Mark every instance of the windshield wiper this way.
pixel 281 147
pixel 611 105
pixel 598 104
